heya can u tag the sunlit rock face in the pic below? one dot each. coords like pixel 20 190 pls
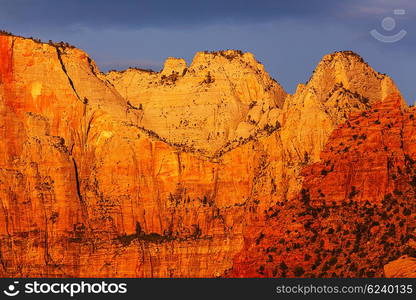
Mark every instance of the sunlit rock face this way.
pixel 177 173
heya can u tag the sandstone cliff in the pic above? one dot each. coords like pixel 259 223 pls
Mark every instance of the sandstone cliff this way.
pixel 169 174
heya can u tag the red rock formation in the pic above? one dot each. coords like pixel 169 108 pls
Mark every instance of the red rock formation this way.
pixel 86 190
pixel 354 213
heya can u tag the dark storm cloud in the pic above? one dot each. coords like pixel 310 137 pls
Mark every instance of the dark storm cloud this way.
pixel 139 14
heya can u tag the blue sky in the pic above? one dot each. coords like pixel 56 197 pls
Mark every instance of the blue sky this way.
pixel 288 37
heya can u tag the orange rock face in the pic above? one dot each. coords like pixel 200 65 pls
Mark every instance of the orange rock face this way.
pixel 92 184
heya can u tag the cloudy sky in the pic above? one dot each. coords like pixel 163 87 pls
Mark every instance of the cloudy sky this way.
pixel 288 37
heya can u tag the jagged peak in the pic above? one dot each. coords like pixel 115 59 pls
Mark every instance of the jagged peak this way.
pixel 347 69
pixel 347 60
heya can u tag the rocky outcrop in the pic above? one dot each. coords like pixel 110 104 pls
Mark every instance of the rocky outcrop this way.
pixel 177 173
